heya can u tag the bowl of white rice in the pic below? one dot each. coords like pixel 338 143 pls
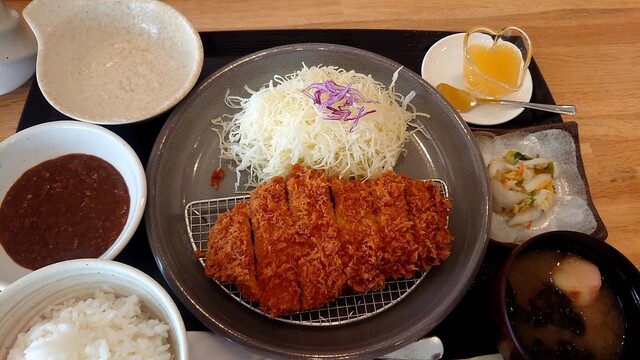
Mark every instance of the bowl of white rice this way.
pixel 90 309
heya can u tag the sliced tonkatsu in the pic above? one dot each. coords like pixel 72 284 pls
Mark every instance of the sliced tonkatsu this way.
pixel 358 234
pixel 229 256
pixel 315 238
pixel 319 266
pixel 274 246
pixel 399 250
pixel 428 211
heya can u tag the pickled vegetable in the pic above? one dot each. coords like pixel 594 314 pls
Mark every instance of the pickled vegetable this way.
pixel 521 186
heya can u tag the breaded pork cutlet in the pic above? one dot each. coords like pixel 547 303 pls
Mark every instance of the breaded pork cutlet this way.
pixel 358 234
pixel 399 251
pixel 319 266
pixel 428 211
pixel 274 245
pixel 308 249
pixel 229 256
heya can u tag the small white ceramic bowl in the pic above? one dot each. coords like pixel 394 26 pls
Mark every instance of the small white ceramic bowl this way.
pixel 27 298
pixel 113 62
pixel 42 142
pixel 18 49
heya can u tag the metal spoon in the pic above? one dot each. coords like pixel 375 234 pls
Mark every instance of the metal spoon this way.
pixel 464 101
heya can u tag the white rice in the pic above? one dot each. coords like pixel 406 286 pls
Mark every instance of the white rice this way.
pixel 106 326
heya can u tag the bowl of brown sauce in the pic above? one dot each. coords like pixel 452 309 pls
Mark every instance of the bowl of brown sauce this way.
pixel 567 295
pixel 68 190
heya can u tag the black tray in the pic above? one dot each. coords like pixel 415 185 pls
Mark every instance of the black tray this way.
pixel 464 332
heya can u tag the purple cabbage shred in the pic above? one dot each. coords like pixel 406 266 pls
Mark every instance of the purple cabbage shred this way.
pixel 339 101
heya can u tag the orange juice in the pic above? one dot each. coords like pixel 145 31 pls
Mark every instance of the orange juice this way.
pixel 492 71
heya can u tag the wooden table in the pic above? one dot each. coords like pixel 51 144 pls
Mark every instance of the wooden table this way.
pixel 588 52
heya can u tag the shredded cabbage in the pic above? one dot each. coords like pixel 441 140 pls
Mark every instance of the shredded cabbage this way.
pixel 280 125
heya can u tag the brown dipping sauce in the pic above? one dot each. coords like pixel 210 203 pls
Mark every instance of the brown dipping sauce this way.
pixel 74 206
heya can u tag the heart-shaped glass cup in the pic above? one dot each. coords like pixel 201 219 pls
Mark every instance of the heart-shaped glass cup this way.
pixel 495 62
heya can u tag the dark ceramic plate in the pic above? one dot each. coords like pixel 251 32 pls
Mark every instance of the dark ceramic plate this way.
pixel 573 209
pixel 186 152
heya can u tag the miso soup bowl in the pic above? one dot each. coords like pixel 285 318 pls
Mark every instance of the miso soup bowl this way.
pixel 34 145
pixel 617 271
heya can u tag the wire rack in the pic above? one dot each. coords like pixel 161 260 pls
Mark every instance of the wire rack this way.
pixel 200 215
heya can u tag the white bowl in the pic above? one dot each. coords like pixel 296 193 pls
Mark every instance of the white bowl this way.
pixel 113 62
pixel 39 143
pixel 27 298
pixel 18 49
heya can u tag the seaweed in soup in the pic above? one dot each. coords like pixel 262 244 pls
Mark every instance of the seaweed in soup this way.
pixel 552 306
